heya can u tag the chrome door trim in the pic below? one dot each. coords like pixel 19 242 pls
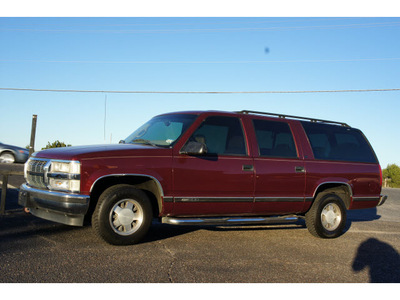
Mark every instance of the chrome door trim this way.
pixel 212 199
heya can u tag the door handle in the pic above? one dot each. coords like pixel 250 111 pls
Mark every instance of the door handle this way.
pixel 300 169
pixel 249 168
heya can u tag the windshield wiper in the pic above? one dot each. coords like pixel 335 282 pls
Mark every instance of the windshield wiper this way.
pixel 143 141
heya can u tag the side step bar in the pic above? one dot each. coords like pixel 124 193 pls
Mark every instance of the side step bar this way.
pixel 229 220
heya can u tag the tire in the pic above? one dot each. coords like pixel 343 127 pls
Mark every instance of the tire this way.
pixel 123 215
pixel 327 216
pixel 7 157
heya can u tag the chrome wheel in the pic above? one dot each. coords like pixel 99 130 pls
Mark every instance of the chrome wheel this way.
pixel 126 216
pixel 7 158
pixel 331 216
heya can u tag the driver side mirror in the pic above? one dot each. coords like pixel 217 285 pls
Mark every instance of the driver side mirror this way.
pixel 194 148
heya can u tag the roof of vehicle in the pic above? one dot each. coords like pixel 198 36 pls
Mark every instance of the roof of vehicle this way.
pixel 275 115
pixel 282 116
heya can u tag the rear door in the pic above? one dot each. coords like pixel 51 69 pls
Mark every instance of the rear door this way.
pixel 279 166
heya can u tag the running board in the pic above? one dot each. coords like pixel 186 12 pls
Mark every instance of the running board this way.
pixel 229 220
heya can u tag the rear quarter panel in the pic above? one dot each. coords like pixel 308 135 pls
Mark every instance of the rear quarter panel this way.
pixel 363 179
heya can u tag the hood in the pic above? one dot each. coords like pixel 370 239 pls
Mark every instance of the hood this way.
pixel 5 146
pixel 100 151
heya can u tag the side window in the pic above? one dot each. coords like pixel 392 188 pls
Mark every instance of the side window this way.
pixel 338 143
pixel 221 135
pixel 320 145
pixel 274 139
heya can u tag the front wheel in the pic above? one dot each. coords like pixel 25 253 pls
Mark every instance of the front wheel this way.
pixel 7 157
pixel 327 216
pixel 123 215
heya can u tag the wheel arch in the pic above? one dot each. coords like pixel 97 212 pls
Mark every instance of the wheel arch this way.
pixel 342 189
pixel 149 184
pixel 7 151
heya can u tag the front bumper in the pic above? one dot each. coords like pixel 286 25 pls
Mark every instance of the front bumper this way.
pixel 65 208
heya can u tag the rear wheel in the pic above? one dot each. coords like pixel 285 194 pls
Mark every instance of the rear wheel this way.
pixel 327 216
pixel 123 215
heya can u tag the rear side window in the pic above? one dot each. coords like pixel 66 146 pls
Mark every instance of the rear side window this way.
pixel 274 139
pixel 332 142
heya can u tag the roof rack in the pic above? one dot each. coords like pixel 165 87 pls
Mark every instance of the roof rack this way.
pixel 282 116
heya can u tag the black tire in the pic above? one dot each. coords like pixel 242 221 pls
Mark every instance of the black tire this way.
pixel 123 215
pixel 327 216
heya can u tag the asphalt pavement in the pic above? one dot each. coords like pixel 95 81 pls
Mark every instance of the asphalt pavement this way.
pixel 33 250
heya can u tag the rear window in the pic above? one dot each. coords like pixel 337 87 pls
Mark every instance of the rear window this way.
pixel 333 142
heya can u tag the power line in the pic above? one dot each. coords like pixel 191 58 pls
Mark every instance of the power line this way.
pixel 201 92
pixel 343 26
pixel 260 20
pixel 198 62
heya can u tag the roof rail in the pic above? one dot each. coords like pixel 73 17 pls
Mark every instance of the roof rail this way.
pixel 282 116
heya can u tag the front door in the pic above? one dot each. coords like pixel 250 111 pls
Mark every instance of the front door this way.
pixel 221 182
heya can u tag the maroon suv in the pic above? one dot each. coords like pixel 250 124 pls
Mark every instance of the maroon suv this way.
pixel 208 168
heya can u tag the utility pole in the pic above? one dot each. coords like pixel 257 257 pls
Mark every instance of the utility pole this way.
pixel 105 116
pixel 33 134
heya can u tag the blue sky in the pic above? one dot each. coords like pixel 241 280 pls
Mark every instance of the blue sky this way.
pixel 196 54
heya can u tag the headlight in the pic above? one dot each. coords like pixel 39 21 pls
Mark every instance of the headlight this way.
pixel 64 176
pixel 72 167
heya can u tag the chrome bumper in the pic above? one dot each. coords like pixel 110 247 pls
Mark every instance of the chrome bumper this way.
pixel 65 208
pixel 382 199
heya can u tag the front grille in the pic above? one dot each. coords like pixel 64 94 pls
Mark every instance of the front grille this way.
pixel 35 173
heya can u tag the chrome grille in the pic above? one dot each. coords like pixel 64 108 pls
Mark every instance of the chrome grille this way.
pixel 35 173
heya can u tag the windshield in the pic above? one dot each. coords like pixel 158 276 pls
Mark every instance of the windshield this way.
pixel 161 131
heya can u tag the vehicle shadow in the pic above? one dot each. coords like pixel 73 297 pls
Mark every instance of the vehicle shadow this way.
pixel 360 215
pixel 18 228
pixel 382 260
pixel 11 199
pixel 159 231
